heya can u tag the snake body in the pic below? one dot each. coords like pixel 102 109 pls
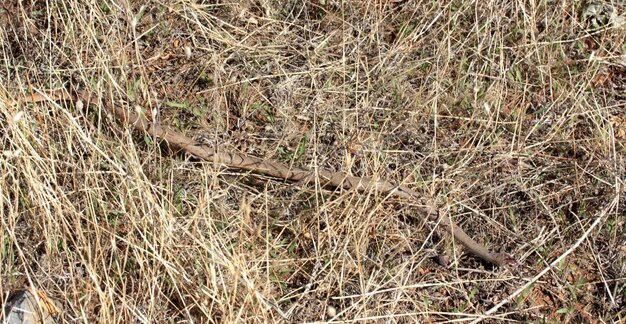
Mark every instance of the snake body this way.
pixel 270 168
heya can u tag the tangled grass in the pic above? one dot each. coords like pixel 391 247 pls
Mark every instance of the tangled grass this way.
pixel 509 115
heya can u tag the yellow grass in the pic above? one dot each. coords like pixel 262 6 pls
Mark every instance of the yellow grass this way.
pixel 509 116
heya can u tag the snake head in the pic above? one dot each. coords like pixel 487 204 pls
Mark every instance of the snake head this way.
pixel 505 259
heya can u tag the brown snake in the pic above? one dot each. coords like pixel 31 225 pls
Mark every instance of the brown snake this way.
pixel 270 168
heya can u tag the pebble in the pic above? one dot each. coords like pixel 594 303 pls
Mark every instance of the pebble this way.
pixel 24 308
pixel 331 311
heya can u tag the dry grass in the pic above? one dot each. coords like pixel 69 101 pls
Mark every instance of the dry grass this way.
pixel 510 115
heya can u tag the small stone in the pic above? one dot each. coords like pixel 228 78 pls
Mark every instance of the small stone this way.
pixel 17 116
pixel 331 311
pixel 24 307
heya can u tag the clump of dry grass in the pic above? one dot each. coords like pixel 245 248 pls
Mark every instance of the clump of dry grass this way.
pixel 509 115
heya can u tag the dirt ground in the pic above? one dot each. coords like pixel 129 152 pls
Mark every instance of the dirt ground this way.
pixel 508 116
